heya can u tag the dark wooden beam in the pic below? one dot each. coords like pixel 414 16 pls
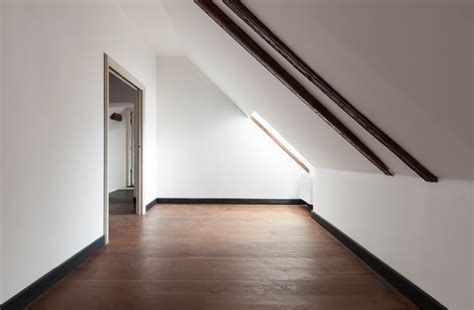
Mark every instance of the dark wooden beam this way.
pixel 289 81
pixel 265 33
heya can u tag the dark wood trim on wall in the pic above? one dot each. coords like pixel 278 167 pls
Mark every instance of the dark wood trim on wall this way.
pixel 26 296
pixel 284 50
pixel 289 81
pixel 399 282
pixel 223 201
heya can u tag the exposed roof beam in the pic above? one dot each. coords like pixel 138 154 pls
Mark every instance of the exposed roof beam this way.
pixel 289 81
pixel 265 33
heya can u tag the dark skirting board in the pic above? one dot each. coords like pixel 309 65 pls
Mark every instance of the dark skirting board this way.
pixel 33 291
pixel 228 201
pixel 399 282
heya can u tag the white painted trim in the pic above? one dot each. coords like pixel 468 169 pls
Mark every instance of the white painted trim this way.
pixel 128 112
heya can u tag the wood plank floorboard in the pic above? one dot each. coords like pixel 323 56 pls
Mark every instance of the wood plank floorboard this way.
pixel 117 208
pixel 221 257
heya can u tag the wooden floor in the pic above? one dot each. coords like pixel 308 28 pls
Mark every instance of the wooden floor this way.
pixel 221 257
pixel 121 208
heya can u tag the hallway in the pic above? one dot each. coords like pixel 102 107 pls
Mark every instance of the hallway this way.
pixel 221 257
pixel 121 202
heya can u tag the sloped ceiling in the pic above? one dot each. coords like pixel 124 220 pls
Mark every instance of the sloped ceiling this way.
pixel 407 66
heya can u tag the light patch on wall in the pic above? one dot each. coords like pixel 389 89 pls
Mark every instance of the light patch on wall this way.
pixel 282 143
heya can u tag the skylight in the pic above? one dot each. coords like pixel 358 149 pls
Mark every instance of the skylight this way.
pixel 280 141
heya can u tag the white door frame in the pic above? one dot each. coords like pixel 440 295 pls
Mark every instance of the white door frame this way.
pixel 129 146
pixel 111 66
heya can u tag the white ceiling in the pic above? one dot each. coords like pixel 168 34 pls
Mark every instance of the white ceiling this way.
pixel 406 65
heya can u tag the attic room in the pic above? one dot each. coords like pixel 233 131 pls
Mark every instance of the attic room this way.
pixel 227 154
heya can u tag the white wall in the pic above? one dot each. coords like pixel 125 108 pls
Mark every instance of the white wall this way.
pixel 207 148
pixel 52 125
pixel 422 230
pixel 1 153
pixel 117 155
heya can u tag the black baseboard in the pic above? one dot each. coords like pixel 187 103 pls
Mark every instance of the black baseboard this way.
pixel 231 201
pixel 248 201
pixel 243 201
pixel 415 294
pixel 308 206
pixel 151 205
pixel 27 295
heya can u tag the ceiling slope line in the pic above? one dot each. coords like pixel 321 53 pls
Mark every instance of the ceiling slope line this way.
pixel 284 50
pixel 289 81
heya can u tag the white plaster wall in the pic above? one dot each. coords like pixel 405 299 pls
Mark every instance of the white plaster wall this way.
pixel 206 146
pixel 1 153
pixel 52 125
pixel 422 230
pixel 117 159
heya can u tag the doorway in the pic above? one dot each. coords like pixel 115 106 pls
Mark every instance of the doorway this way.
pixel 123 126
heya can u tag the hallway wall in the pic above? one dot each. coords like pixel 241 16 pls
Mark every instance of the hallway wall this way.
pixel 117 152
pixel 52 125
pixel 208 148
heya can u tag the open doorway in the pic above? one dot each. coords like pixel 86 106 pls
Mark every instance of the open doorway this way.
pixel 121 156
pixel 123 125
